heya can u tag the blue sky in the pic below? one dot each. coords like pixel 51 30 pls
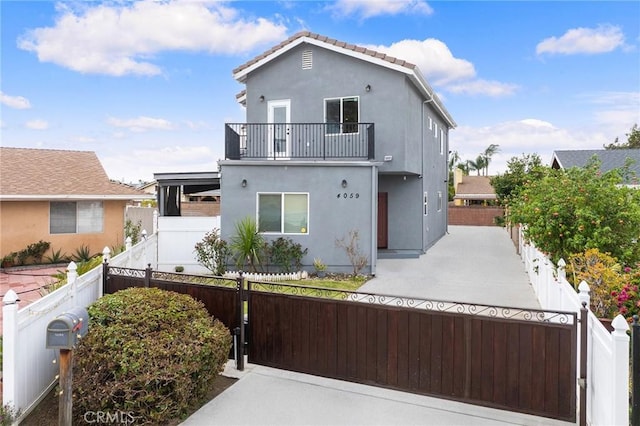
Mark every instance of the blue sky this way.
pixel 147 85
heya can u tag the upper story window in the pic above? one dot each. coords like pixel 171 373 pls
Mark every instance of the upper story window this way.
pixel 283 213
pixel 340 113
pixel 75 217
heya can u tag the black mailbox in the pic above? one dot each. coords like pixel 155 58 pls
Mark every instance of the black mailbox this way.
pixel 64 331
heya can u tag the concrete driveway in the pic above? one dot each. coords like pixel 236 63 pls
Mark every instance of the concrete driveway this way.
pixel 470 264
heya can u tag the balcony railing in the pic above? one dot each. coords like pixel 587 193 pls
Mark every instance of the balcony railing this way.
pixel 321 141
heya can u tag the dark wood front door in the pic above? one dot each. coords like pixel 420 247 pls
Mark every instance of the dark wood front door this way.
pixel 382 220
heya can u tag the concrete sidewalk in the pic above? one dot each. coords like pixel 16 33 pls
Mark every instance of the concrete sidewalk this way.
pixel 470 264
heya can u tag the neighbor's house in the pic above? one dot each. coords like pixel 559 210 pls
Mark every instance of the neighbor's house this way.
pixel 474 202
pixel 63 197
pixel 609 159
pixel 338 138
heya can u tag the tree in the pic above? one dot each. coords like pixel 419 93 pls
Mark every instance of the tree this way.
pixel 520 171
pixel 633 140
pixel 567 212
pixel 487 154
pixel 478 165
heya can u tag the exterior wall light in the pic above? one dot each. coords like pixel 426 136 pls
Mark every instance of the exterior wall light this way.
pixel 367 88
pixel 261 98
pixel 244 183
pixel 344 183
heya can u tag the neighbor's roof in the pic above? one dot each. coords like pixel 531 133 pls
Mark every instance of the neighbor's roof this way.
pixel 27 174
pixel 610 158
pixel 241 72
pixel 475 188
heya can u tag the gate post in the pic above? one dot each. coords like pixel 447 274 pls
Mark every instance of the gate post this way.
pixel 582 381
pixel 240 330
pixel 635 372
pixel 147 276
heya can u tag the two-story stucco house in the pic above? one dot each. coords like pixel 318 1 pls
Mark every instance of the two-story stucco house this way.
pixel 338 138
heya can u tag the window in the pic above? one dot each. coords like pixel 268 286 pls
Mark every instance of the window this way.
pixel 435 130
pixel 439 201
pixel 75 217
pixel 342 115
pixel 425 203
pixel 283 213
pixel 441 142
pixel 430 123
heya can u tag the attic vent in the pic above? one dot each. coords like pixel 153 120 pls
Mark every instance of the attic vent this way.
pixel 307 60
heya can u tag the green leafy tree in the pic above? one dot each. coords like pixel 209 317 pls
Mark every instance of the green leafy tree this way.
pixel 633 140
pixel 520 171
pixel 213 252
pixel 567 212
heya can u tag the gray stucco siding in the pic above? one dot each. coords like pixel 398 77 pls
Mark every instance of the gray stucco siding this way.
pixel 393 103
pixel 334 210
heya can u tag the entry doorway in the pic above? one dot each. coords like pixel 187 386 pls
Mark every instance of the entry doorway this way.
pixel 383 220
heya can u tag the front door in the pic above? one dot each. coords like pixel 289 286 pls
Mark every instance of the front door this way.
pixel 383 224
pixel 279 132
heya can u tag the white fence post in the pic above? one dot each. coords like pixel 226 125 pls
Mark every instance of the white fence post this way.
pixel 583 294
pixel 620 376
pixel 9 348
pixel 106 254
pixel 72 275
pixel 127 247
pixel 155 221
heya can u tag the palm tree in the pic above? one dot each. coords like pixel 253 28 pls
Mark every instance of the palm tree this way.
pixel 478 165
pixel 487 154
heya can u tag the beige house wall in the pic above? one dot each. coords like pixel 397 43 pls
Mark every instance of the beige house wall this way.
pixel 26 222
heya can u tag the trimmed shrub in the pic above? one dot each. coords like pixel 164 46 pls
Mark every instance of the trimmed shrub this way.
pixel 150 353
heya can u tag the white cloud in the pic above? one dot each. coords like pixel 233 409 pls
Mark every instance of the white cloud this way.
pixel 368 9
pixel 483 87
pixel 122 38
pixel 527 136
pixel 16 102
pixel 141 124
pixel 604 38
pixel 139 164
pixel 614 110
pixel 37 125
pixel 443 69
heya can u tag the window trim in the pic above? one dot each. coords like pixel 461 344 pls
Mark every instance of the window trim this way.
pixel 341 99
pixel 282 216
pixel 441 141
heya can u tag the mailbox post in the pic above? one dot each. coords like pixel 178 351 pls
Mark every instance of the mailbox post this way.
pixel 63 333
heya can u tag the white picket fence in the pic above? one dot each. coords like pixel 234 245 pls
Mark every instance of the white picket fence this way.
pixel 607 353
pixel 28 368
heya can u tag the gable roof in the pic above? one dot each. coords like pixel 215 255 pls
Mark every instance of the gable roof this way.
pixel 362 53
pixel 610 158
pixel 475 188
pixel 28 174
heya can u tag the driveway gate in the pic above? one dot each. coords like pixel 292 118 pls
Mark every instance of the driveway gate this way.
pixel 515 359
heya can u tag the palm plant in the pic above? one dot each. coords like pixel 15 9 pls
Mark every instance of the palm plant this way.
pixel 487 154
pixel 247 244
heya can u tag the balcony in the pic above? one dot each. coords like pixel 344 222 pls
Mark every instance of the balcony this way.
pixel 288 141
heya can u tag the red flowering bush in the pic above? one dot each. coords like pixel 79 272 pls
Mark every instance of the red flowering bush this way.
pixel 627 298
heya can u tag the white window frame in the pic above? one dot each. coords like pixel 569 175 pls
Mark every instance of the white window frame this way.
pixel 341 99
pixel 95 224
pixel 439 201
pixel 425 204
pixel 441 142
pixel 430 123
pixel 435 130
pixel 282 216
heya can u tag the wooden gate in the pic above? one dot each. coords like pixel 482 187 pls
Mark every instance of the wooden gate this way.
pixel 506 358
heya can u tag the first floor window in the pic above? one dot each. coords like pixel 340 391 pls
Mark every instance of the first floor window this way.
pixel 439 200
pixel 342 115
pixel 75 217
pixel 283 213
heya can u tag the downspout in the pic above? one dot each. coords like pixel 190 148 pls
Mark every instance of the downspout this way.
pixel 422 132
pixel 374 223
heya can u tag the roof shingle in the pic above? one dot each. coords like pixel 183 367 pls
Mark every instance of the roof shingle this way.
pixel 44 172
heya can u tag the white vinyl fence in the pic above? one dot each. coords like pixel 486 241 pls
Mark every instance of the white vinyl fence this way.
pixel 178 236
pixel 607 353
pixel 29 369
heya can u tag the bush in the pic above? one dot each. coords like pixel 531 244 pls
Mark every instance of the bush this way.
pixel 148 352
pixel 285 254
pixel 213 252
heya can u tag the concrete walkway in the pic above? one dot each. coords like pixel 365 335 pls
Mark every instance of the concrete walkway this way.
pixel 470 264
